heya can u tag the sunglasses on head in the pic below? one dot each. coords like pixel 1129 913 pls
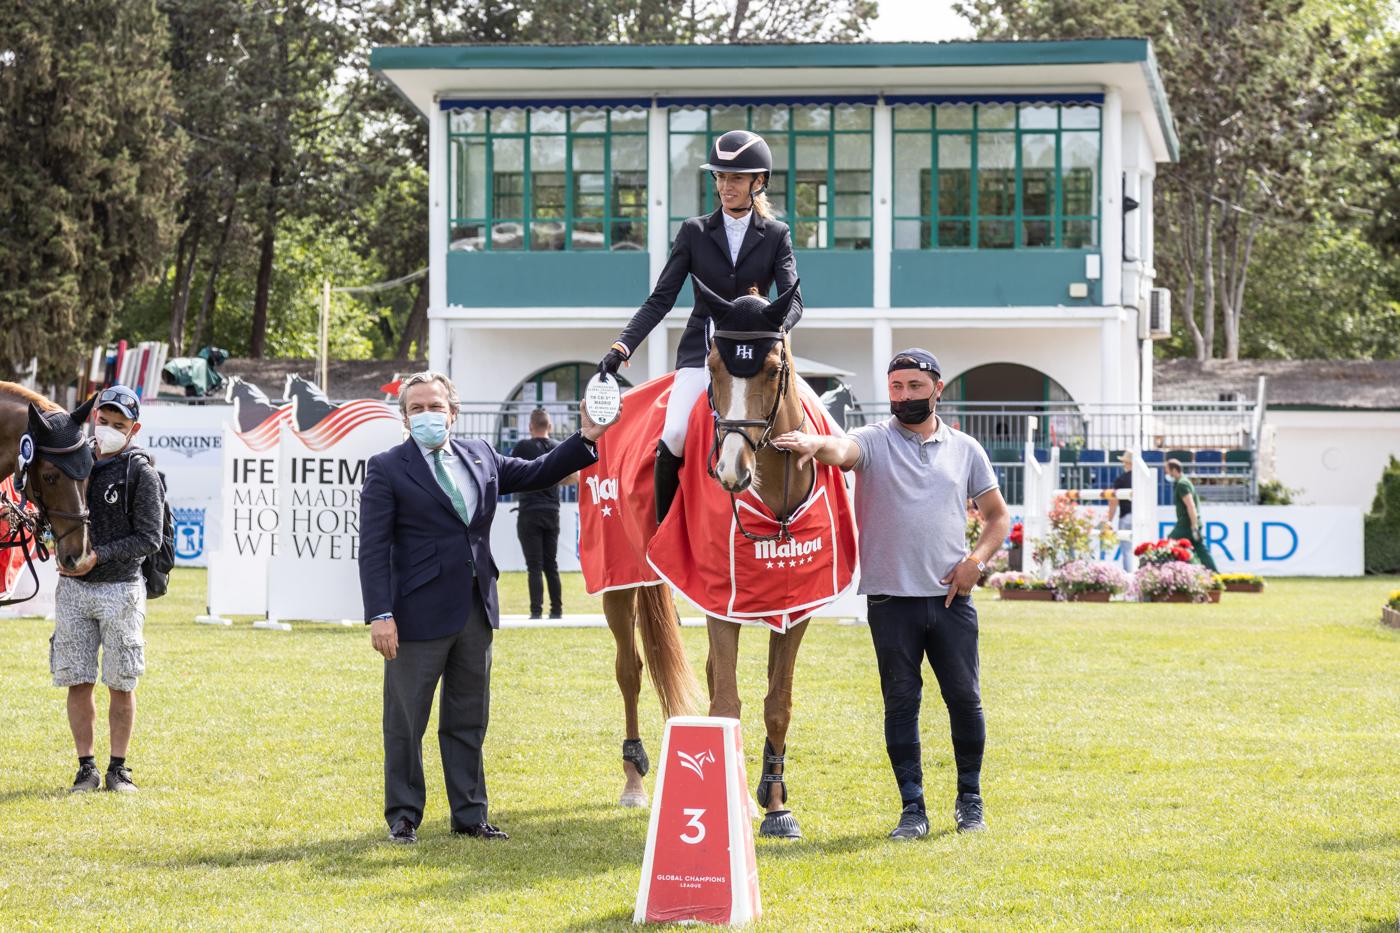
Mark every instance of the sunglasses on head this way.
pixel 115 395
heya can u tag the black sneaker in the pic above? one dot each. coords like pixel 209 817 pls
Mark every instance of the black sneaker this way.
pixel 534 616
pixel 119 780
pixel 967 810
pixel 913 824
pixel 87 780
pixel 403 832
pixel 556 615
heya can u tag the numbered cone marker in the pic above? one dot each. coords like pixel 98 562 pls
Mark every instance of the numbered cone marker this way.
pixel 699 863
pixel 604 398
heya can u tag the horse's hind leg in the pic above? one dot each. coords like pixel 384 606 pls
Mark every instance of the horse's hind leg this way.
pixel 777 714
pixel 722 667
pixel 620 608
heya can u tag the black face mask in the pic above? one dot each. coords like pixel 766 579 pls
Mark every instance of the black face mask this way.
pixel 912 410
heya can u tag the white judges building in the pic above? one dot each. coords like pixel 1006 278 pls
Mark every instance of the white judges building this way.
pixel 991 201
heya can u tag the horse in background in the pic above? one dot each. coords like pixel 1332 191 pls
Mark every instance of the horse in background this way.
pixel 54 467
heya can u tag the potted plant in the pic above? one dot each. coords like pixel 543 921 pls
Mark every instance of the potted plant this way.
pixel 1175 582
pixel 1088 581
pixel 1390 612
pixel 1016 585
pixel 1016 539
pixel 1165 551
pixel 1242 582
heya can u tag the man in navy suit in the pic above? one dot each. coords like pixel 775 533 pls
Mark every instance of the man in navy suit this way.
pixel 429 586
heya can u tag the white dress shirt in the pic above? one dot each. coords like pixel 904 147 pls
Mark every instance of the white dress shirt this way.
pixel 455 469
pixel 734 229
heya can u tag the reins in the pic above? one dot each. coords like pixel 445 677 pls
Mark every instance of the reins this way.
pixel 26 528
pixel 723 427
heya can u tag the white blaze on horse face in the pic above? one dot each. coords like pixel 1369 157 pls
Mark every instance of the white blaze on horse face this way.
pixel 735 455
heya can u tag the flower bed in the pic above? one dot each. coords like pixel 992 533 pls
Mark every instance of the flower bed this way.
pixel 1241 582
pixel 1165 551
pixel 1014 585
pixel 1176 581
pixel 1088 581
pixel 1390 612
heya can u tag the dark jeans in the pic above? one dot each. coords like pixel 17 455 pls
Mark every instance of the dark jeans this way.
pixel 905 630
pixel 463 663
pixel 538 531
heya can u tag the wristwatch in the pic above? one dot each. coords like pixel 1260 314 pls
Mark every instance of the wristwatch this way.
pixel 981 567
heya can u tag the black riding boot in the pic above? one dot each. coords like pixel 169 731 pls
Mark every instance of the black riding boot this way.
pixel 666 479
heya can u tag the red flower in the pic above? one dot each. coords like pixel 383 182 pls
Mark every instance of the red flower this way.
pixel 1142 548
pixel 1181 554
pixel 1182 542
pixel 1018 533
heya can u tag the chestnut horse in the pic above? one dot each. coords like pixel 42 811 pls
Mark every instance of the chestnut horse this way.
pixel 750 410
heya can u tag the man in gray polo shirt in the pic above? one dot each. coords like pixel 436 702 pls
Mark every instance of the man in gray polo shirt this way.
pixel 916 475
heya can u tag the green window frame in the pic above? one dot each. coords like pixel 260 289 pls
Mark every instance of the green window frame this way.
pixel 547 178
pixel 822 166
pixel 996 176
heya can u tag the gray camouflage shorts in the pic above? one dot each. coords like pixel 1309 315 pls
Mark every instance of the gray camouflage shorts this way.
pixel 89 616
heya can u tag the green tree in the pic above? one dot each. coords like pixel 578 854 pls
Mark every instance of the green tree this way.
pixel 90 174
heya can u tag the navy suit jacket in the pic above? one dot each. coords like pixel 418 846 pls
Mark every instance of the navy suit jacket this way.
pixel 417 559
pixel 702 249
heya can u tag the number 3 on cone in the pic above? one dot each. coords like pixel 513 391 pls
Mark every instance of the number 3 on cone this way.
pixel 699 827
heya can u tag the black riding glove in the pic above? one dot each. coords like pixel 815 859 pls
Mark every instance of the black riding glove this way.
pixel 611 363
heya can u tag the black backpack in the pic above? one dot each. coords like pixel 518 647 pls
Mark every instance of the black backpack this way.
pixel 156 567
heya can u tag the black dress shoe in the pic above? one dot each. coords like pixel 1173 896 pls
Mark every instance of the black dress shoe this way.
pixel 403 832
pixel 480 831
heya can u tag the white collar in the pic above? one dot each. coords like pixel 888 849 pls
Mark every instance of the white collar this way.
pixel 428 451
pixel 740 222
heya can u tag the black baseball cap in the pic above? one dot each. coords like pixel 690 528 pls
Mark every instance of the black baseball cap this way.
pixel 122 399
pixel 915 358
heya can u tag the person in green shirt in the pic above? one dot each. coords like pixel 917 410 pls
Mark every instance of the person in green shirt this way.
pixel 1188 513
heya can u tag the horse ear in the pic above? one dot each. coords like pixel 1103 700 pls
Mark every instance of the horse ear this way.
pixel 37 426
pixel 777 311
pixel 80 414
pixel 719 308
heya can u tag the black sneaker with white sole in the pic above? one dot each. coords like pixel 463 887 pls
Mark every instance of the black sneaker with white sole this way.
pixel 119 780
pixel 968 812
pixel 87 780
pixel 913 823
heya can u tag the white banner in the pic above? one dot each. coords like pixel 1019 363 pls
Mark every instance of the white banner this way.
pixel 321 467
pixel 187 442
pixel 505 543
pixel 1281 540
pixel 248 511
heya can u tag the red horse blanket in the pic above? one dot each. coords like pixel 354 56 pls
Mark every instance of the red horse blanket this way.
pixel 700 549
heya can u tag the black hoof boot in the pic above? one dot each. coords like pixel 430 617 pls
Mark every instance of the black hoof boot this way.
pixel 666 479
pixel 780 824
pixel 774 770
pixel 633 751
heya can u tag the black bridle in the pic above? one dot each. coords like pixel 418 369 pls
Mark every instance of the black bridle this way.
pixel 723 427
pixel 29 528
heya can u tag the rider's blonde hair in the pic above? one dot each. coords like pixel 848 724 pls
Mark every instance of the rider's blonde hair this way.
pixel 761 207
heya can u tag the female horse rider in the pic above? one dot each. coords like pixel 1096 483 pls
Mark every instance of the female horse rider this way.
pixel 738 247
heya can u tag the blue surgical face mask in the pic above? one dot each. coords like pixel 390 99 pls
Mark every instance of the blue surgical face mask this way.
pixel 429 428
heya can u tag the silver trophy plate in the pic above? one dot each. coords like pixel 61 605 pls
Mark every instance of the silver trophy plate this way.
pixel 603 398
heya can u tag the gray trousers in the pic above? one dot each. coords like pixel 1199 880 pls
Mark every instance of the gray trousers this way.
pixel 463 663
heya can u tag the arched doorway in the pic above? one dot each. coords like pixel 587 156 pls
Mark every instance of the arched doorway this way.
pixel 555 388
pixel 1006 383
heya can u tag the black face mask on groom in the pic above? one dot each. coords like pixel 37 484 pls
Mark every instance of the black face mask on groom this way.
pixel 913 411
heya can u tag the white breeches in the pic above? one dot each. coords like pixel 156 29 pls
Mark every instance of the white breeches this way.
pixel 689 385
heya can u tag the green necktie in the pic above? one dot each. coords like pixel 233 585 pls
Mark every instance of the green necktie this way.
pixel 448 486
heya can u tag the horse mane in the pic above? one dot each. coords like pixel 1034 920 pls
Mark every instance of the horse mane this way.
pixel 29 395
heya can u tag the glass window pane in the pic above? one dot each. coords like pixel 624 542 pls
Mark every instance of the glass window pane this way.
pixel 954 175
pixel 852 116
pixel 687 181
pixel 1079 233
pixel 1037 233
pixel 588 120
pixel 629 194
pixel 629 120
pixel 467 236
pixel 996 234
pixel 547 234
pixel 912 117
pixel 996 174
pixel 808 234
pixel 508 234
pixel 852 195
pixel 811 117
pixel 954 233
pixel 852 234
pixel 1079 117
pixel 508 177
pixel 587 235
pixel 1038 116
pixel 549 120
pixel 853 151
pixel 911 234
pixel 768 118
pixel 1037 174
pixel 1079 162
pixel 811 152
pixel 912 152
pixel 546 181
pixel 629 152
pixel 466 121
pixel 630 235
pixel 724 119
pixel 995 116
pixel 688 120
pixel 955 116
pixel 508 121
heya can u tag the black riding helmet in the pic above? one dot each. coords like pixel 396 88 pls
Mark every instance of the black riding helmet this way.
pixel 741 152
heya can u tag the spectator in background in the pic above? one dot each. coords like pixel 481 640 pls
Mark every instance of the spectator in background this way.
pixel 1124 509
pixel 537 525
pixel 1188 513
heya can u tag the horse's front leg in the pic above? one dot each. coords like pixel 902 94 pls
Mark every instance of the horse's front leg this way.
pixel 777 714
pixel 620 608
pixel 722 667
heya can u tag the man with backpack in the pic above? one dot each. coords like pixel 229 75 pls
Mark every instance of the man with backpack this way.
pixel 101 603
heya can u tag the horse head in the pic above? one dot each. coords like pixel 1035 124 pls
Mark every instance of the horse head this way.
pixel 750 378
pixel 55 478
pixel 310 404
pixel 251 406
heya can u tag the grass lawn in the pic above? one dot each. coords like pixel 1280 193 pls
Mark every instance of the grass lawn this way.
pixel 1149 767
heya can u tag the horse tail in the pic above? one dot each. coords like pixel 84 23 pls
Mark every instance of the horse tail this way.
pixel 665 654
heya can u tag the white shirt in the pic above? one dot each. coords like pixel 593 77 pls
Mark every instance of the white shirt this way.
pixel 455 469
pixel 734 229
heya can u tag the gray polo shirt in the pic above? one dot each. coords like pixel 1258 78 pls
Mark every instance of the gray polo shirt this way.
pixel 911 505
